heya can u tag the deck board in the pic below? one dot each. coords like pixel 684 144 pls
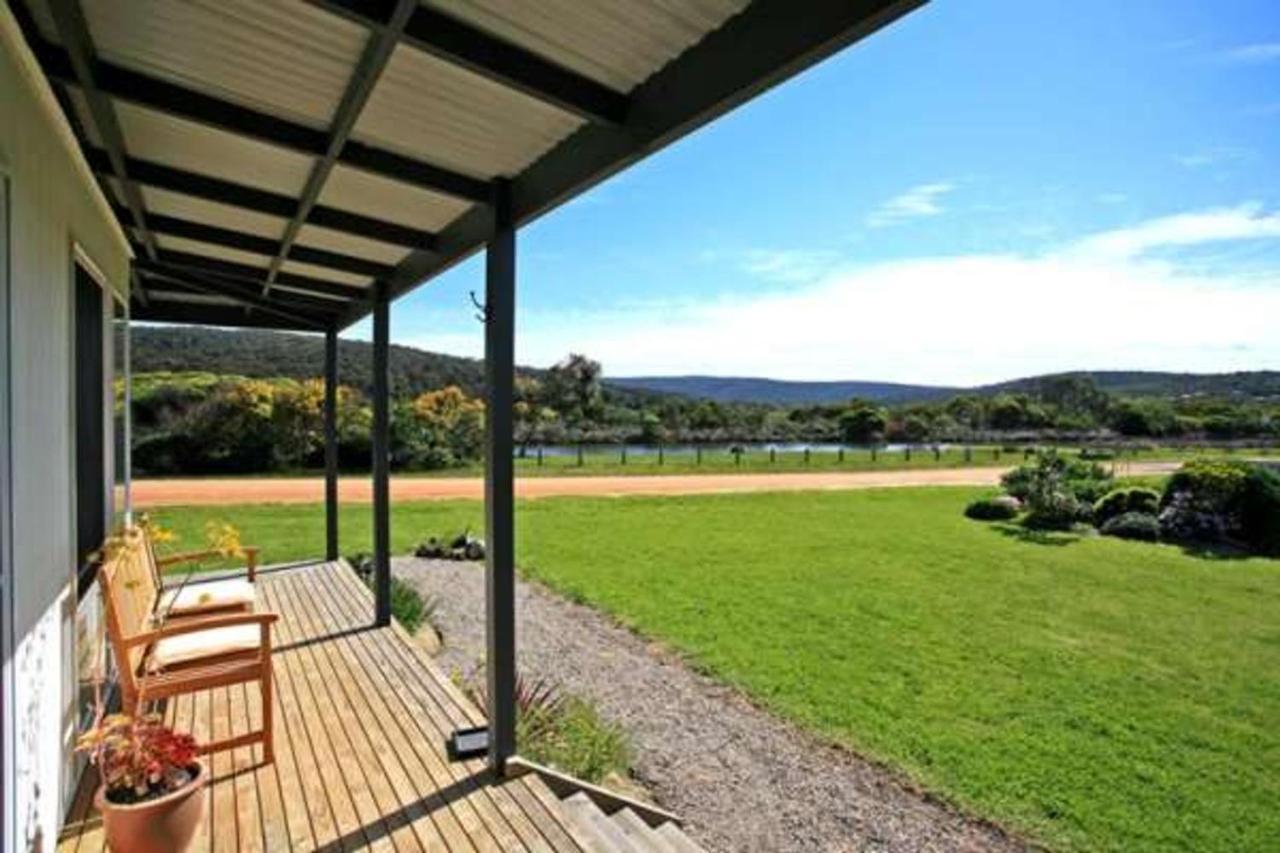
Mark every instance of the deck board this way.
pixel 361 716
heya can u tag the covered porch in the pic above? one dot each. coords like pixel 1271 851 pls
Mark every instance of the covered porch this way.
pixel 362 715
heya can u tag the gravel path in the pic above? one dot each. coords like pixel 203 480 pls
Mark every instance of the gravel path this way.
pixel 741 778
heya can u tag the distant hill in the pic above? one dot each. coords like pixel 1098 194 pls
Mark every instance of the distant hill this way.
pixel 261 353
pixel 1146 383
pixel 1136 383
pixel 734 389
pixel 265 353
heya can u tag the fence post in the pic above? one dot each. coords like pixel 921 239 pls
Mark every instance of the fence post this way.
pixel 698 452
pixel 623 458
pixel 995 453
pixel 840 456
pixel 873 453
pixel 579 454
pixel 937 453
pixel 539 455
pixel 659 454
pixel 806 456
pixel 773 455
pixel 906 453
pixel 968 454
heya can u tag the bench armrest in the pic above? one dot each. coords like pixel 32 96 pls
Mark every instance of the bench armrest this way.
pixel 188 626
pixel 250 556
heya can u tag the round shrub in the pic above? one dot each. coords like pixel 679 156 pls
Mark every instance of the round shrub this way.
pixel 1119 501
pixel 1000 508
pixel 1054 511
pixel 1260 512
pixel 1133 525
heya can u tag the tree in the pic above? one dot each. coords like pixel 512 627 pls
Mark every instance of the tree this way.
pixel 572 387
pixel 862 423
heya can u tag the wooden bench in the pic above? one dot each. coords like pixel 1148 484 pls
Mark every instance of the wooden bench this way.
pixel 206 597
pixel 158 656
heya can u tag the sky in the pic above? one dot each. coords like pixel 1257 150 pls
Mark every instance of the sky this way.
pixel 984 190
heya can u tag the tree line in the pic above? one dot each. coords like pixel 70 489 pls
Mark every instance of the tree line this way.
pixel 188 422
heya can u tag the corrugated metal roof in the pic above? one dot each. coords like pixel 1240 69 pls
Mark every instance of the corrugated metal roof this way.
pixel 187 145
pixel 209 250
pixel 284 56
pixel 618 42
pixel 312 271
pixel 361 192
pixel 211 213
pixel 429 109
pixel 350 244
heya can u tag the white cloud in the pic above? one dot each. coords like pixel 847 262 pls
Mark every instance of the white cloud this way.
pixel 1100 302
pixel 1266 51
pixel 917 202
pixel 789 265
pixel 1212 156
pixel 1244 222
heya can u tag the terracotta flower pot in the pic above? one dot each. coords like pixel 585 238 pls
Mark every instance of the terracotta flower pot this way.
pixel 163 825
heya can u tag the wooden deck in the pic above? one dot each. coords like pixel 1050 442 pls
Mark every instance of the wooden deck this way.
pixel 361 719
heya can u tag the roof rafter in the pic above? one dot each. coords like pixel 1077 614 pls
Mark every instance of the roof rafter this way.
pixel 257 276
pixel 85 70
pixel 509 64
pixel 232 194
pixel 245 295
pixel 172 99
pixel 365 76
pixel 178 227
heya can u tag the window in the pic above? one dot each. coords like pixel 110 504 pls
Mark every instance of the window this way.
pixel 89 425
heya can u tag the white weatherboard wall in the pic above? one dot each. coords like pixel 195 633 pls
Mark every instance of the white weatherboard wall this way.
pixel 54 206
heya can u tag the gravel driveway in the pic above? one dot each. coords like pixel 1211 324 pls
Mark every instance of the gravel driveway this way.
pixel 741 778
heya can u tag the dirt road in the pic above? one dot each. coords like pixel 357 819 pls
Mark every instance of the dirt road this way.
pixel 358 489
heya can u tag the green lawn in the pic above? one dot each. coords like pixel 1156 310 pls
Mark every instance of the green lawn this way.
pixel 1092 693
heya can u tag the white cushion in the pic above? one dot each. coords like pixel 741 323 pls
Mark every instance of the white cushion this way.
pixel 232 592
pixel 199 644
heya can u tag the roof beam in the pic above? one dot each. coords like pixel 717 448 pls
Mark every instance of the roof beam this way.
pixel 257 276
pixel 501 61
pixel 230 193
pixel 212 315
pixel 365 76
pixel 309 301
pixel 172 99
pixel 245 295
pixel 177 227
pixel 767 43
pixel 85 70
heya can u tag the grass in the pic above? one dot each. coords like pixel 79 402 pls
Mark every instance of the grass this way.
pixel 1092 693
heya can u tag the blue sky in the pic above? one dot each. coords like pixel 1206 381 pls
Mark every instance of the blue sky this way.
pixel 986 189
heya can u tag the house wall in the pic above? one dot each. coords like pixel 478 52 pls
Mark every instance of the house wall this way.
pixel 55 209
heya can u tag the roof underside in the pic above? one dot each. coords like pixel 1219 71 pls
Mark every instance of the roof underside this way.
pixel 271 161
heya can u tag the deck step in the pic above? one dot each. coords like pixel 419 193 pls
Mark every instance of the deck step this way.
pixel 624 830
pixel 639 832
pixel 676 839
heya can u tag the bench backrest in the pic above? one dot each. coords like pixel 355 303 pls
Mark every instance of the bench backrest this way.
pixel 129 592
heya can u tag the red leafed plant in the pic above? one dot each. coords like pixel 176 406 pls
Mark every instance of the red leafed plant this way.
pixel 139 758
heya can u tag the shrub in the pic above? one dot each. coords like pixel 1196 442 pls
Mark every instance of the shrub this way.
pixel 1260 512
pixel 1204 501
pixel 1097 454
pixel 1133 525
pixel 999 508
pixel 1120 501
pixel 1053 511
pixel 1084 480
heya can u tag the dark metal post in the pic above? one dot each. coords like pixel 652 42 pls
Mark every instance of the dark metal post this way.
pixel 331 444
pixel 499 485
pixel 381 457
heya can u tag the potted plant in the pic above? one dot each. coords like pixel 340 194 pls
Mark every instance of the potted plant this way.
pixel 150 799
